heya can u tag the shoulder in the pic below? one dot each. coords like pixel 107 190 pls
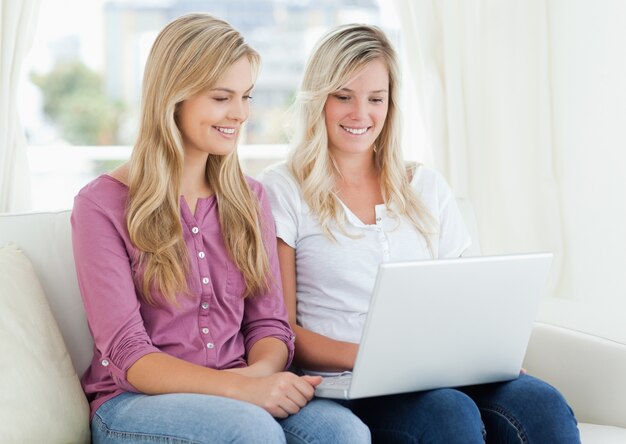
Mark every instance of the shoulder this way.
pixel 277 171
pixel 254 185
pixel 100 203
pixel 278 178
pixel 105 192
pixel 258 190
pixel 283 191
pixel 432 187
pixel 426 177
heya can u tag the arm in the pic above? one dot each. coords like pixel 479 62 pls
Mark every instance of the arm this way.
pixel 281 394
pixel 267 356
pixel 313 351
pixel 454 238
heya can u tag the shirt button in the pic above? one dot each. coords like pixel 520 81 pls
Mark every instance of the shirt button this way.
pixel 201 255
pixel 205 280
pixel 105 363
pixel 205 305
pixel 378 219
pixel 205 331
pixel 195 230
pixel 210 345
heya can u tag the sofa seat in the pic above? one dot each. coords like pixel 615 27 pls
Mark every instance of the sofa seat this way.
pixel 601 434
pixel 581 350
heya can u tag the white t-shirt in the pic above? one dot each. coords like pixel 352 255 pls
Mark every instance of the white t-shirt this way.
pixel 334 279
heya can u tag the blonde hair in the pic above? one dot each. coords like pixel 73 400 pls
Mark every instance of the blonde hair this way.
pixel 188 56
pixel 335 60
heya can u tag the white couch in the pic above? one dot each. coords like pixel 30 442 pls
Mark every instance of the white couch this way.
pixel 582 356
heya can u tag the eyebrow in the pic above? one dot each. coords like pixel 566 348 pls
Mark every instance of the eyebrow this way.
pixel 378 91
pixel 230 91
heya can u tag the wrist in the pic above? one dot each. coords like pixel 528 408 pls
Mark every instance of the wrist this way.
pixel 262 368
pixel 236 386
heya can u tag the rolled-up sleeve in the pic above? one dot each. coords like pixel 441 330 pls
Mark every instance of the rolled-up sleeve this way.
pixel 265 314
pixel 105 278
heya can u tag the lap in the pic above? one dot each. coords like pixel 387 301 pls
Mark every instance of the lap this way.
pixel 519 411
pixel 525 409
pixel 434 416
pixel 182 418
pixel 193 418
pixel 324 421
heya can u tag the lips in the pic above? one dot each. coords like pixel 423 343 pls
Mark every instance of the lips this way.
pixel 355 131
pixel 224 130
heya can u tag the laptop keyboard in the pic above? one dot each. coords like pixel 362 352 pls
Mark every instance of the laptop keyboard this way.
pixel 337 382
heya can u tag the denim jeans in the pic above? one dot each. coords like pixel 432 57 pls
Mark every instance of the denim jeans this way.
pixel 190 418
pixel 525 410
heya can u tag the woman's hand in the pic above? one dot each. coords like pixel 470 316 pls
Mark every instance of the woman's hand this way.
pixel 281 394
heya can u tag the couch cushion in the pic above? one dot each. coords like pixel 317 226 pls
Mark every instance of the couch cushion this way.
pixel 584 363
pixel 601 434
pixel 46 239
pixel 42 400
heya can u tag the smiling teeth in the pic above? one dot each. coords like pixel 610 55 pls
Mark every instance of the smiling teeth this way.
pixel 226 130
pixel 357 131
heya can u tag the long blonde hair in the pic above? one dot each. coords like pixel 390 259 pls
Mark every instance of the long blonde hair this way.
pixel 336 58
pixel 188 56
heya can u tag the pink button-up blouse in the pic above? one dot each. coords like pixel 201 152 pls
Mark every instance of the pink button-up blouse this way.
pixel 214 327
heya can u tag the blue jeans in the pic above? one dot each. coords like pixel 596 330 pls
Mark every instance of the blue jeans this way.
pixel 525 410
pixel 189 418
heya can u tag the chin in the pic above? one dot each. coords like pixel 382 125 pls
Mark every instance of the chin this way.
pixel 222 150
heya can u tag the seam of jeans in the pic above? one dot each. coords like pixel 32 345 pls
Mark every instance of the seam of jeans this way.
pixel 519 428
pixel 102 426
pixel 295 433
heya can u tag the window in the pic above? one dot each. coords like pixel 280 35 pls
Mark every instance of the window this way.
pixel 79 100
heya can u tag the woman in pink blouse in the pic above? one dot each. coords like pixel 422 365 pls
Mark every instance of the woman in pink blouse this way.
pixel 176 259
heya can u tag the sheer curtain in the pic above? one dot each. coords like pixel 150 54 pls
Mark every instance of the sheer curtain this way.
pixel 17 26
pixel 525 102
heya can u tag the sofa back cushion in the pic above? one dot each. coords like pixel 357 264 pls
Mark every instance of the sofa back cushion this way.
pixel 45 239
pixel 42 400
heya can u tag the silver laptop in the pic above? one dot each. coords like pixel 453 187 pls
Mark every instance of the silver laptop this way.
pixel 445 323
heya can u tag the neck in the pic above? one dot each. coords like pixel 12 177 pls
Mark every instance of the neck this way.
pixel 355 168
pixel 194 182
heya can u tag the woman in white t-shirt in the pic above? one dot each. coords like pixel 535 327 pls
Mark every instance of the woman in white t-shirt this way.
pixel 343 203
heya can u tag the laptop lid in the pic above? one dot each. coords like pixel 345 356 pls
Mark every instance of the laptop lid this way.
pixel 447 323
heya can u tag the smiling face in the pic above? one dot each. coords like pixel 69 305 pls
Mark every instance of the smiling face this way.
pixel 355 115
pixel 211 120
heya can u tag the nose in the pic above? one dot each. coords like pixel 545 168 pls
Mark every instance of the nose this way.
pixel 358 110
pixel 238 111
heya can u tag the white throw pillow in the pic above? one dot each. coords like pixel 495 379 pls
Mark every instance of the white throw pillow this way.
pixel 41 397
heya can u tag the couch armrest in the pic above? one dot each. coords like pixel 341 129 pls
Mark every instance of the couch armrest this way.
pixel 588 369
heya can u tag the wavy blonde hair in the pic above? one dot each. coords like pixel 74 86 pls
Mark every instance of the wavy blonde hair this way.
pixel 188 56
pixel 335 60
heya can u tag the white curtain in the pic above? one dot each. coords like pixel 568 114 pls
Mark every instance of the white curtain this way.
pixel 524 105
pixel 17 26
